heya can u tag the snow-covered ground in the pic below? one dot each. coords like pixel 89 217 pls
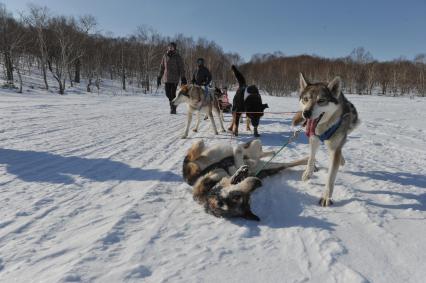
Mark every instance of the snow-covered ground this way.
pixel 91 191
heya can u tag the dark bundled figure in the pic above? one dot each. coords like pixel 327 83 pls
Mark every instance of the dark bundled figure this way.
pixel 247 100
pixel 173 69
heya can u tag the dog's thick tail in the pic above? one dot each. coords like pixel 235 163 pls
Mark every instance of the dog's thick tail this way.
pixel 240 78
pixel 274 168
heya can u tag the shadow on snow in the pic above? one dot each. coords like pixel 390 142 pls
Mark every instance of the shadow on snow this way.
pixel 281 206
pixel 34 166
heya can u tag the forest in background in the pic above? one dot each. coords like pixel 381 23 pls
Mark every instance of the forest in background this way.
pixel 73 51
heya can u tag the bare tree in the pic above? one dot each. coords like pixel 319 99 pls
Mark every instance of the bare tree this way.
pixel 62 51
pixel 37 19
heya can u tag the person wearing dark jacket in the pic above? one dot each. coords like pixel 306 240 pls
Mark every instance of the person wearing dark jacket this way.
pixel 173 69
pixel 202 75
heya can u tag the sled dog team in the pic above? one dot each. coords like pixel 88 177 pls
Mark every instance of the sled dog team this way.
pixel 223 177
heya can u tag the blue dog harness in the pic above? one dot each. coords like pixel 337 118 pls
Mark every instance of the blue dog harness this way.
pixel 312 124
pixel 330 131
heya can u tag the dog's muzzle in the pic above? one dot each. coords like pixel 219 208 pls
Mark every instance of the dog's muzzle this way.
pixel 307 114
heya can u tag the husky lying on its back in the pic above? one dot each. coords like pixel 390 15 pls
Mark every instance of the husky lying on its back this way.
pixel 223 176
pixel 330 117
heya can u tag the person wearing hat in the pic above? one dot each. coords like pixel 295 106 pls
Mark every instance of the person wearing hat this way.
pixel 172 68
pixel 202 75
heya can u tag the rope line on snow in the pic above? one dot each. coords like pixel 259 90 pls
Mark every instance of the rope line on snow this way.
pixel 289 140
pixel 288 113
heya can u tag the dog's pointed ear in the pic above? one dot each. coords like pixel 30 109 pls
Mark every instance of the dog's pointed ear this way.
pixel 335 86
pixel 249 215
pixel 302 82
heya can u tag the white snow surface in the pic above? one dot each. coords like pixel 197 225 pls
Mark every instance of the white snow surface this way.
pixel 91 191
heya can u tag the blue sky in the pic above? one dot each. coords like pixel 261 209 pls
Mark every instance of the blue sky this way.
pixel 388 29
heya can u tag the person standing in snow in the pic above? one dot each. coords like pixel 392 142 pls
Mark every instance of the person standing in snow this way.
pixel 173 69
pixel 202 75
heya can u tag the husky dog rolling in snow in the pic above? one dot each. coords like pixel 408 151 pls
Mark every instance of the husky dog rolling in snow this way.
pixel 223 176
pixel 197 101
pixel 330 117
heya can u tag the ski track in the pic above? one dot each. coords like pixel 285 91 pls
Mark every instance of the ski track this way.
pixel 91 191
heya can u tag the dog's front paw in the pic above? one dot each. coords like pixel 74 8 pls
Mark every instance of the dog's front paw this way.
pixel 194 130
pixel 325 202
pixel 184 136
pixel 240 175
pixel 307 174
pixel 216 133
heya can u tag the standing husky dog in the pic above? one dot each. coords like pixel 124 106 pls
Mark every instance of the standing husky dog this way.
pixel 330 118
pixel 197 101
pixel 219 185
pixel 247 99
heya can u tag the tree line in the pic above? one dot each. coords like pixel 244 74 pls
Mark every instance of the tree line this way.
pixel 278 74
pixel 70 49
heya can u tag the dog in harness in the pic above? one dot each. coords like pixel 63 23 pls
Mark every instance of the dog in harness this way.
pixel 329 118
pixel 247 99
pixel 197 101
pixel 223 176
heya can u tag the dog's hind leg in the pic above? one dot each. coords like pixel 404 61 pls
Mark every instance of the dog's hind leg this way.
pixel 248 124
pixel 236 124
pixel 220 115
pixel 188 124
pixel 267 153
pixel 212 122
pixel 335 159
pixel 314 144
pixel 239 156
pixel 195 129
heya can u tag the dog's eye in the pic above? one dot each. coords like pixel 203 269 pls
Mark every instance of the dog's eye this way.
pixel 305 99
pixel 321 101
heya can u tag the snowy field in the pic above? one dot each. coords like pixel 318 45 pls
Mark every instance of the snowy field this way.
pixel 91 191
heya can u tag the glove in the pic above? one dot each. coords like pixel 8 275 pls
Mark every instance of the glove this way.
pixel 183 81
pixel 158 81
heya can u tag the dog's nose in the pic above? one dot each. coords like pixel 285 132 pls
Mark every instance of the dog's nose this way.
pixel 307 114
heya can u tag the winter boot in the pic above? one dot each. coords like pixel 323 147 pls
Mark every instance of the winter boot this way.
pixel 172 108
